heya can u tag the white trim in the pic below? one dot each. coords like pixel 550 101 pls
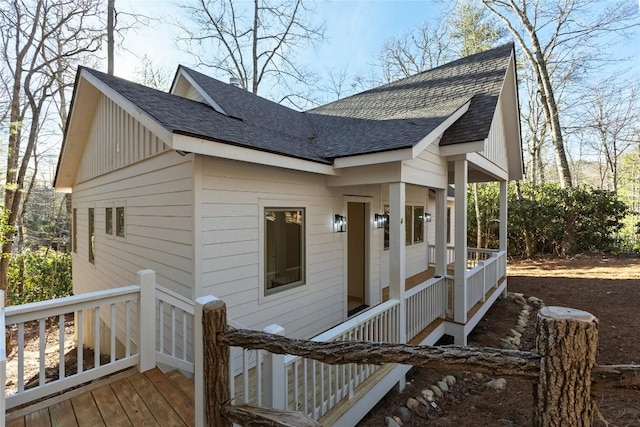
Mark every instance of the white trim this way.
pixel 373 158
pixel 436 134
pixel 462 148
pixel 487 166
pixel 183 73
pixel 246 154
pixel 128 106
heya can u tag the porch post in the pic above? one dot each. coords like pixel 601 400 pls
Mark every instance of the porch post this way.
pixel 441 232
pixel 460 276
pixel 503 215
pixel 397 251
pixel 147 320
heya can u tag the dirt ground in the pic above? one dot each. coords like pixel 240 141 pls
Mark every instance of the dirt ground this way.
pixel 608 287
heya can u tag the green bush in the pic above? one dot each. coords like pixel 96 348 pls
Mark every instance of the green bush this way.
pixel 39 275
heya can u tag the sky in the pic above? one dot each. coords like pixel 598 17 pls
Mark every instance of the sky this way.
pixel 355 31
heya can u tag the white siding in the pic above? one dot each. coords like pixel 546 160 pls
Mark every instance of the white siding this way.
pixel 428 168
pixel 115 140
pixel 496 146
pixel 158 199
pixel 233 198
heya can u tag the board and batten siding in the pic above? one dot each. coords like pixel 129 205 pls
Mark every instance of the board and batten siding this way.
pixel 496 144
pixel 115 140
pixel 233 198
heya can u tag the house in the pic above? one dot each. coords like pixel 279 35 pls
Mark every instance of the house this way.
pixel 304 219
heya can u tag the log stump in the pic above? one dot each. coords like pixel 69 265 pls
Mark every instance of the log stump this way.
pixel 216 363
pixel 567 340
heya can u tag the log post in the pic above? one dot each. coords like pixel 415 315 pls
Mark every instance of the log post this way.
pixel 216 363
pixel 567 340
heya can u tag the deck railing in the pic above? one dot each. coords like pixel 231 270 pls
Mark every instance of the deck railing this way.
pixel 313 387
pixel 141 325
pixel 3 363
pixel 424 304
pixel 486 275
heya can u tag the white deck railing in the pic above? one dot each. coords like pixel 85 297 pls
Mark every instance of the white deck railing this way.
pixel 474 255
pixel 424 304
pixel 141 325
pixel 486 275
pixel 313 387
pixel 3 363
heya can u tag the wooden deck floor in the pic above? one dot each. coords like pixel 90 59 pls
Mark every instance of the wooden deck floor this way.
pixel 129 399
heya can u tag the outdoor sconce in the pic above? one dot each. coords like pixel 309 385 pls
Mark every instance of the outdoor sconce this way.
pixel 427 217
pixel 379 220
pixel 340 223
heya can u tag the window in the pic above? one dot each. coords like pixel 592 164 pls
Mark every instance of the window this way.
pixel 418 224
pixel 120 221
pixel 414 231
pixel 108 220
pixel 448 225
pixel 92 237
pixel 74 230
pixel 284 248
pixel 386 227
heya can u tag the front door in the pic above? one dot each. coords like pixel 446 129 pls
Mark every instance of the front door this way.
pixel 356 253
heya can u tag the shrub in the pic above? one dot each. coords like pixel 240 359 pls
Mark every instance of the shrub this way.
pixel 39 275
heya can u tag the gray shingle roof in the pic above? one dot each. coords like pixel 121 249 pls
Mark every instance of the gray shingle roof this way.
pixel 393 116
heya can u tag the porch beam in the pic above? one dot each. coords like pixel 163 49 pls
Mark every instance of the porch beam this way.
pixel 503 215
pixel 441 232
pixel 397 223
pixel 460 308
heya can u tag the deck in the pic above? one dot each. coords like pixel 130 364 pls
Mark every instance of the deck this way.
pixel 127 399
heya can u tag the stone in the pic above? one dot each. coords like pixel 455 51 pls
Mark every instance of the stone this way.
pixel 520 300
pixel 498 384
pixel 436 391
pixel 477 376
pixel 515 333
pixel 524 313
pixel 516 341
pixel 450 380
pixel 412 403
pixel 405 414
pixel 390 422
pixel 534 300
pixel 522 323
pixel 398 420
pixel 428 394
pixel 422 401
pixel 443 386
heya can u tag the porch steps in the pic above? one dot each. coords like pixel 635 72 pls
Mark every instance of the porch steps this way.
pixel 129 398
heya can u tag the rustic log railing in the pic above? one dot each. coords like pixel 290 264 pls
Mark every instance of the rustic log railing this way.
pixel 565 373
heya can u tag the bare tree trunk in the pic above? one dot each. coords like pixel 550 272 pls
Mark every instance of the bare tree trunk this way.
pixel 529 243
pixel 476 198
pixel 110 29
pixel 567 340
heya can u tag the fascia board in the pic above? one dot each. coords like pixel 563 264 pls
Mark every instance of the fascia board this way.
pixel 436 134
pixel 373 158
pixel 462 148
pixel 244 154
pixel 149 122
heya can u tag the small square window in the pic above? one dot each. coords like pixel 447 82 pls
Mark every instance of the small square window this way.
pixel 120 221
pixel 108 220
pixel 386 227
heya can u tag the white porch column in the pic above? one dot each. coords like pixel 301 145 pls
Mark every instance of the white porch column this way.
pixel 441 232
pixel 460 276
pixel 397 225
pixel 503 215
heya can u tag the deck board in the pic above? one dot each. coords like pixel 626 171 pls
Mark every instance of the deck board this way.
pixel 131 399
pixel 110 408
pixel 132 404
pixel 62 414
pixel 86 411
pixel 181 403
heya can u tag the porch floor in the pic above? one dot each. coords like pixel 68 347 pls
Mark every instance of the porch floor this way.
pixel 127 399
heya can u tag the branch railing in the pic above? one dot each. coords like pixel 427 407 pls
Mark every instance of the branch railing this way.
pixel 564 372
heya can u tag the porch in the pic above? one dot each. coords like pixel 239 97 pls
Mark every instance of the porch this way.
pixel 145 326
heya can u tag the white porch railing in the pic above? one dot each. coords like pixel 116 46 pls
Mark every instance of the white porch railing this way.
pixel 486 275
pixel 474 255
pixel 133 325
pixel 424 304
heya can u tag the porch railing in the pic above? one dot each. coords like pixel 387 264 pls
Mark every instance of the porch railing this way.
pixel 474 255
pixel 424 304
pixel 136 325
pixel 486 275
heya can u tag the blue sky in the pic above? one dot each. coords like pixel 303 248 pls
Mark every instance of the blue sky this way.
pixel 355 31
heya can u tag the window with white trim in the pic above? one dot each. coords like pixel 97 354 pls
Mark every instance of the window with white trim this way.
pixel 284 240
pixel 414 231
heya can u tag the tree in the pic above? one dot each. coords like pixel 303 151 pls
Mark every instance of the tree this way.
pixel 38 41
pixel 472 28
pixel 149 75
pixel 559 40
pixel 255 45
